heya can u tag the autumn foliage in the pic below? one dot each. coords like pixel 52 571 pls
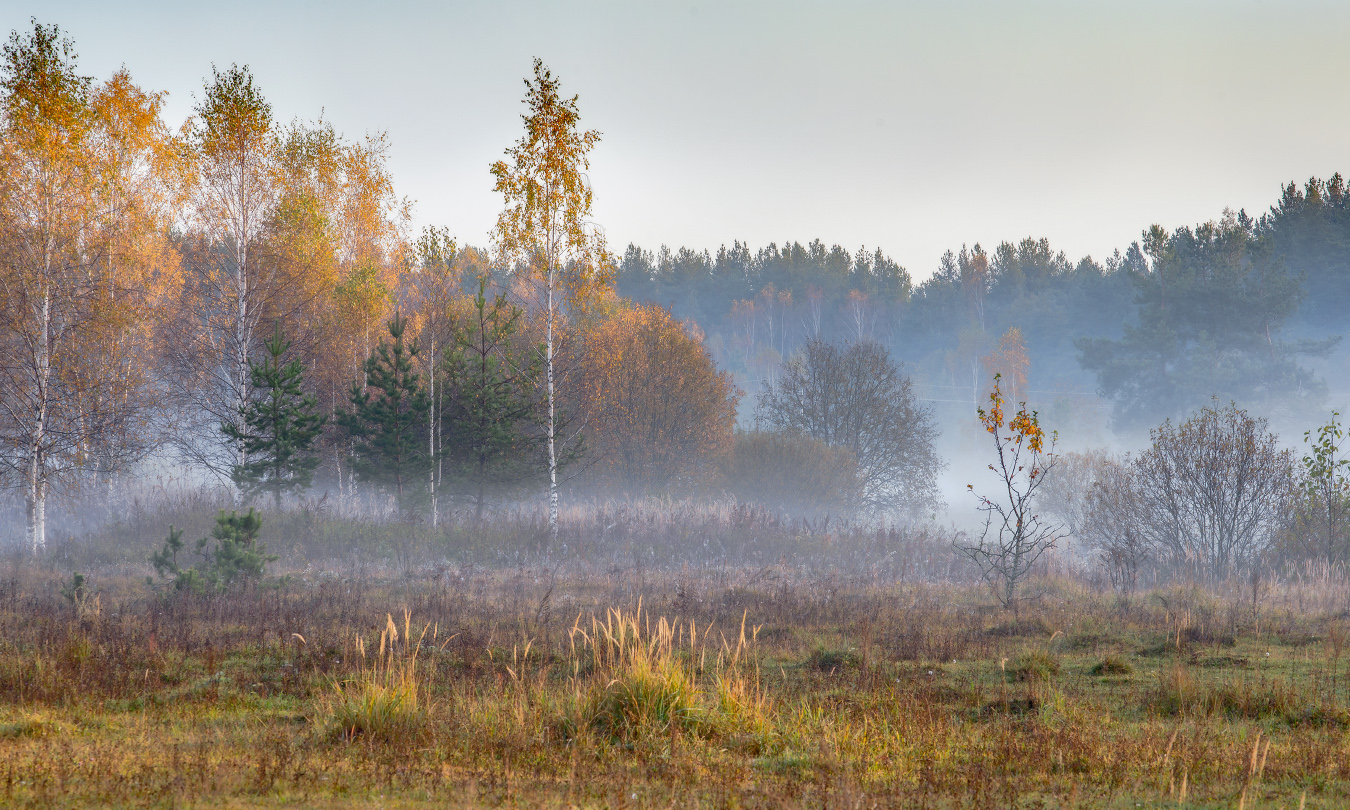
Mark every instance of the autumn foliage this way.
pixel 662 414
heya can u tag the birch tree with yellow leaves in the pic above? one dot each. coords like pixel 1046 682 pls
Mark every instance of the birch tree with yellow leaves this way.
pixel 545 230
pixel 231 186
pixel 83 257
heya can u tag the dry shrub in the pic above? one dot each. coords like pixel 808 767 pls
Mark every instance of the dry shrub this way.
pixel 1035 665
pixel 1111 665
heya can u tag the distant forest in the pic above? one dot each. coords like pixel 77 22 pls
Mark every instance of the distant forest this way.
pixel 1241 308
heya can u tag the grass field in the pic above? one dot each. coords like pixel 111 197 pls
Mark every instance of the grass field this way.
pixel 622 687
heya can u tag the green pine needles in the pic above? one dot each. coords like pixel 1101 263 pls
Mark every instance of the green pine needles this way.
pixel 494 407
pixel 279 428
pixel 388 421
pixel 236 559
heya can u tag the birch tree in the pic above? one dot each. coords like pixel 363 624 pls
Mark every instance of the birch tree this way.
pixel 134 207
pixel 430 290
pixel 44 295
pixel 85 262
pixel 545 229
pixel 233 192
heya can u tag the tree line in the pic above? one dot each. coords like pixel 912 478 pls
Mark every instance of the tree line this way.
pixel 243 296
pixel 1237 307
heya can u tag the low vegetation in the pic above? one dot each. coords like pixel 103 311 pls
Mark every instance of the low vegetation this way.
pixel 423 683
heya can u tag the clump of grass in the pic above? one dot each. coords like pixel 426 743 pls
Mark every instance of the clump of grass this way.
pixel 1180 693
pixel 384 701
pixel 639 688
pixel 27 727
pixel 1111 665
pixel 643 685
pixel 823 659
pixel 1035 665
pixel 1035 626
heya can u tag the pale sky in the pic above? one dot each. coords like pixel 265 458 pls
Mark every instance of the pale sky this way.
pixel 915 127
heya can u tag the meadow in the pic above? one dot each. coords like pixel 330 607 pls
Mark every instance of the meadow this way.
pixel 809 665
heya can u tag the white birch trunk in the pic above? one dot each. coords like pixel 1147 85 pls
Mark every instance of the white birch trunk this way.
pixel 432 430
pixel 35 495
pixel 552 430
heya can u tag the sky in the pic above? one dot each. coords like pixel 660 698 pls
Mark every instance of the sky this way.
pixel 914 127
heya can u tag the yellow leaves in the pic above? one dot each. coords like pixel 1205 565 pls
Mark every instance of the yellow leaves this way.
pixel 1023 427
pixel 544 227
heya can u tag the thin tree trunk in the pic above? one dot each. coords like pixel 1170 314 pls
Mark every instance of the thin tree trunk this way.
pixel 36 494
pixel 552 428
pixel 432 428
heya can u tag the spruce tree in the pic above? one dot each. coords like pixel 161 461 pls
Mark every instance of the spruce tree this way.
pixel 278 429
pixel 388 420
pixel 494 406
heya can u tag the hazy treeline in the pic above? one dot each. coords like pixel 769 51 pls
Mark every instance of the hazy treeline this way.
pixel 1224 308
pixel 242 298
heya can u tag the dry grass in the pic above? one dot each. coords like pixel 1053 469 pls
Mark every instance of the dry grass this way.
pixel 642 685
pixel 384 700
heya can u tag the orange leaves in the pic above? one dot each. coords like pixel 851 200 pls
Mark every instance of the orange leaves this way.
pixel 661 411
pixel 1024 427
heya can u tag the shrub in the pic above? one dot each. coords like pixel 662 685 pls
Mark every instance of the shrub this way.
pixel 1035 665
pixel 237 558
pixel 826 660
pixel 1111 665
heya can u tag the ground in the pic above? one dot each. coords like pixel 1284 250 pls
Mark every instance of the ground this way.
pixel 764 687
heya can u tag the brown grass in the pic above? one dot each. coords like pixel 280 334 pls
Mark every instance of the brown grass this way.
pixel 621 684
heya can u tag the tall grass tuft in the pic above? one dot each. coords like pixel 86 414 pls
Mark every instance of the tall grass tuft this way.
pixel 643 679
pixel 384 701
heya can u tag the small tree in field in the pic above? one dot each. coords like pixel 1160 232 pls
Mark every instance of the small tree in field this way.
pixel 236 560
pixel 1014 536
pixel 1325 488
pixel 278 430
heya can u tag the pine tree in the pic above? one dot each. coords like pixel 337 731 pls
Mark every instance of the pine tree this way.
pixel 278 430
pixel 388 420
pixel 237 558
pixel 493 401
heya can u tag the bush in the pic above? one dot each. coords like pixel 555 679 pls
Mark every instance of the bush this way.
pixel 825 660
pixel 792 473
pixel 237 558
pixel 1111 665
pixel 1035 665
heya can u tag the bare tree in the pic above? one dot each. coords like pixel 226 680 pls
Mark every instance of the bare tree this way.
pixel 854 396
pixel 1212 492
pixel 1110 524
pixel 1014 537
pixel 1066 491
